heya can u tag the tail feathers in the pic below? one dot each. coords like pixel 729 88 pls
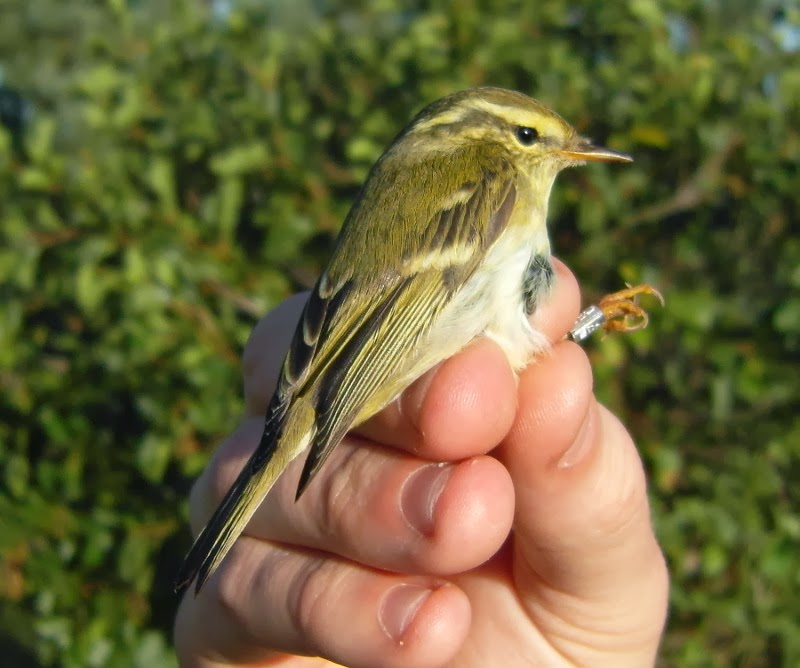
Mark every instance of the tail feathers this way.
pixel 222 530
pixel 233 513
pixel 278 447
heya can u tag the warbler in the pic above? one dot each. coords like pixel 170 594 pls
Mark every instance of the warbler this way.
pixel 446 242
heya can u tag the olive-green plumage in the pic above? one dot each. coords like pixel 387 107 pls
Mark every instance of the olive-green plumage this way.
pixel 446 242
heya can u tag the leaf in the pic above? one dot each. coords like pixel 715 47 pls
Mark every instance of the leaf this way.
pixel 240 159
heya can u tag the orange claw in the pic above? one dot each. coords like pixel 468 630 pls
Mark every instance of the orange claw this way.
pixel 622 310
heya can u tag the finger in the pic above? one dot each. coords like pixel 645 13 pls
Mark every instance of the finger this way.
pixel 374 505
pixel 466 405
pixel 268 599
pixel 587 555
pixel 461 408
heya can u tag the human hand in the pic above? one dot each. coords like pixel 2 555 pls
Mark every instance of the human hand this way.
pixel 541 553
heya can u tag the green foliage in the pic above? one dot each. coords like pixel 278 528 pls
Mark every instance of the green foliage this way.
pixel 172 172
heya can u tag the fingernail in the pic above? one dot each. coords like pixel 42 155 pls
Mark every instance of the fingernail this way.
pixel 420 495
pixel 582 444
pixel 399 607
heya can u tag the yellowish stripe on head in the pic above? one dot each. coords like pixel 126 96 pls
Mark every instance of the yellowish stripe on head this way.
pixel 449 117
pixel 534 114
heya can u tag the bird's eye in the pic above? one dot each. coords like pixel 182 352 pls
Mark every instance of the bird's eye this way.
pixel 526 136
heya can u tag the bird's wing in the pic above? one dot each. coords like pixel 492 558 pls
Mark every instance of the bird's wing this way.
pixel 353 345
pixel 350 352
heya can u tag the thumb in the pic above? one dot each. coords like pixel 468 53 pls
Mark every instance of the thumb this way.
pixel 587 564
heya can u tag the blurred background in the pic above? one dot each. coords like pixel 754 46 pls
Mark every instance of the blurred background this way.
pixel 171 171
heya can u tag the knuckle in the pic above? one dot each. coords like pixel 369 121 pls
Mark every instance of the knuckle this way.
pixel 342 491
pixel 252 571
pixel 623 506
pixel 293 587
pixel 312 587
pixel 232 584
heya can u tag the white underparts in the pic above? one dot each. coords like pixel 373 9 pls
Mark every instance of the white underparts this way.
pixel 492 301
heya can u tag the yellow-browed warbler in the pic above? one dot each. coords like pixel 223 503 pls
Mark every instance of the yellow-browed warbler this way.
pixel 446 242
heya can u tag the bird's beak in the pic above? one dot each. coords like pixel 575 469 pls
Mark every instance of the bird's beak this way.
pixel 583 149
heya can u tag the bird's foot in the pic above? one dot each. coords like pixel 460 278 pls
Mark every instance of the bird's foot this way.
pixel 617 312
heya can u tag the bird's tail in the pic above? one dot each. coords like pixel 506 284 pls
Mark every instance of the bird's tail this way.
pixel 240 503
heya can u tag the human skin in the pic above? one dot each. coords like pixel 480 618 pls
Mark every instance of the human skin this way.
pixel 479 520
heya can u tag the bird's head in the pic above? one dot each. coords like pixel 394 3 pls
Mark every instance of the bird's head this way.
pixel 537 140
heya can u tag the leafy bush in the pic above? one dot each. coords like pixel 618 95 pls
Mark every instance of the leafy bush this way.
pixel 170 171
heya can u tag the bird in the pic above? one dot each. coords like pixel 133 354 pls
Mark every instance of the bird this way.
pixel 447 241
